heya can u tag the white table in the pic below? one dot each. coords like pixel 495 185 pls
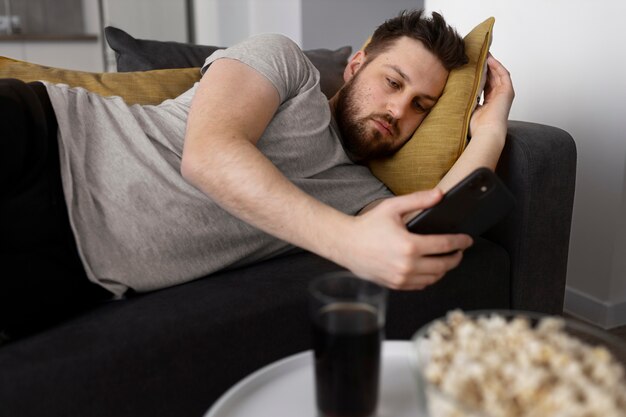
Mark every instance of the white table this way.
pixel 286 388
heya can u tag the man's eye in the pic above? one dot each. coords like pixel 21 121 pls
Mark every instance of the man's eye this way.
pixel 393 84
pixel 417 106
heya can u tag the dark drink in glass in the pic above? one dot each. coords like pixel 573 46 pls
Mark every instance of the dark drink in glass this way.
pixel 347 340
pixel 348 321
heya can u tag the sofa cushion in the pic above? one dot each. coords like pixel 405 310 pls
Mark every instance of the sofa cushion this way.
pixel 147 87
pixel 442 136
pixel 134 54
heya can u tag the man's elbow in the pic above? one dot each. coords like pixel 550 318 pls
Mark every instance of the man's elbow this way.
pixel 190 167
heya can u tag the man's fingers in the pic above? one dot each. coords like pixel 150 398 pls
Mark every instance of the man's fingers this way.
pixel 440 264
pixel 498 74
pixel 427 271
pixel 412 202
pixel 419 284
pixel 496 66
pixel 443 244
pixel 422 271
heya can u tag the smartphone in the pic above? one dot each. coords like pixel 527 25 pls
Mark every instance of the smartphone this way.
pixel 471 207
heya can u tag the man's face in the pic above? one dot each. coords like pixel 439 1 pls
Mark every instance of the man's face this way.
pixel 386 98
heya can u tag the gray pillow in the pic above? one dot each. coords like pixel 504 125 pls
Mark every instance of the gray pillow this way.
pixel 134 54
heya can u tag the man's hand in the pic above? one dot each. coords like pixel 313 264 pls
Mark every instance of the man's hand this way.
pixel 380 247
pixel 490 118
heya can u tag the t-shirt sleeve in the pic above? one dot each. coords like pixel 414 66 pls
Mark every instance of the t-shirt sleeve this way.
pixel 277 58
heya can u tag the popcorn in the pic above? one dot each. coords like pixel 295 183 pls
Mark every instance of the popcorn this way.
pixel 511 368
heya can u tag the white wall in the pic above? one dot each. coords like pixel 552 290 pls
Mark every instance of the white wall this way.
pixel 568 63
pixel 205 22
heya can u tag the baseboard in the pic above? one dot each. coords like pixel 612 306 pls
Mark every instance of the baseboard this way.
pixel 598 312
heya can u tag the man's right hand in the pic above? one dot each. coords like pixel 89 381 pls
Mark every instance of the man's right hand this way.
pixel 381 249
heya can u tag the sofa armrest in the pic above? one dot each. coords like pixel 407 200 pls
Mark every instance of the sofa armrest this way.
pixel 538 165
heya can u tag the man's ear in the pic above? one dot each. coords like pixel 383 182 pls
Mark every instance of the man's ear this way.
pixel 355 63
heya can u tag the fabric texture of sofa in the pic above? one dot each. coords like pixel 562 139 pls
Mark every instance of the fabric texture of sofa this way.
pixel 173 352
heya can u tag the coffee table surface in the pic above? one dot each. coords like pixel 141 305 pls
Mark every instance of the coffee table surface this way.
pixel 286 388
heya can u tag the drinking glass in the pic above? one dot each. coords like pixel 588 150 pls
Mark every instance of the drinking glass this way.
pixel 348 319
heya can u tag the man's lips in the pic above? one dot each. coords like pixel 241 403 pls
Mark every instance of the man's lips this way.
pixel 383 127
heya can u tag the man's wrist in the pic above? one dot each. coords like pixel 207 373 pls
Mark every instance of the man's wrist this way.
pixel 336 238
pixel 493 136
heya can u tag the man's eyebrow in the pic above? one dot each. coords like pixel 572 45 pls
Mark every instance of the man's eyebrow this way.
pixel 403 75
pixel 399 71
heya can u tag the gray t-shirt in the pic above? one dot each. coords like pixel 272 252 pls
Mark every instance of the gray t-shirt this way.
pixel 140 225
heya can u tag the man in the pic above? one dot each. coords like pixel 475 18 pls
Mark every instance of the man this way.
pixel 267 163
pixel 389 89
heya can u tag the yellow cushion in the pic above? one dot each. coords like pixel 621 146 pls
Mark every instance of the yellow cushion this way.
pixel 441 138
pixel 145 87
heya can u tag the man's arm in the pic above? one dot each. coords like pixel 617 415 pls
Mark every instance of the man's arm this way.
pixel 488 127
pixel 230 111
pixel 231 108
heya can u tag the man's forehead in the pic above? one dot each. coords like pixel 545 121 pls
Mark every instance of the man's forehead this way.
pixel 405 54
pixel 404 46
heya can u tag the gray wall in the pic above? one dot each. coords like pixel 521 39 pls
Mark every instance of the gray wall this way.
pixel 310 23
pixel 61 17
pixel 163 20
pixel 336 23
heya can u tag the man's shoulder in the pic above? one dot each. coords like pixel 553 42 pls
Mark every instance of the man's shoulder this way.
pixel 277 57
pixel 268 43
pixel 275 45
pixel 262 47
pixel 277 39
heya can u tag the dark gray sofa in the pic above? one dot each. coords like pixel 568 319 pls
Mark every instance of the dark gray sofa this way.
pixel 173 352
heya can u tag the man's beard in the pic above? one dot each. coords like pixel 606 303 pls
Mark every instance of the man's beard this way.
pixel 361 142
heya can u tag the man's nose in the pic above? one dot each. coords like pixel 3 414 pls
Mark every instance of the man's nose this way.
pixel 397 107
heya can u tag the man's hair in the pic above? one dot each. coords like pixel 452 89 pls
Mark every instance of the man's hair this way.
pixel 434 33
